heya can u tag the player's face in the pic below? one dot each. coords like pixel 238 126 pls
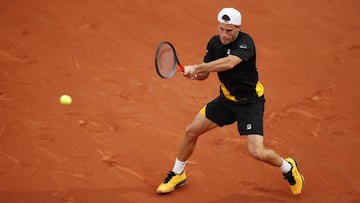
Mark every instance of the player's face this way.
pixel 228 33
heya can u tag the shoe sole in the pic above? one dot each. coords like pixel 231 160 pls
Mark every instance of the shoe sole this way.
pixel 182 183
pixel 302 177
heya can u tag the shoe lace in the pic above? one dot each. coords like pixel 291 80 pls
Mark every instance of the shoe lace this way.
pixel 289 177
pixel 169 176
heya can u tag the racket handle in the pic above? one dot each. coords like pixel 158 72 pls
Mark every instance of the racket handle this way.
pixel 181 68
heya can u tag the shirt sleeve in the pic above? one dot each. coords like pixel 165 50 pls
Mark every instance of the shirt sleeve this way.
pixel 209 55
pixel 245 49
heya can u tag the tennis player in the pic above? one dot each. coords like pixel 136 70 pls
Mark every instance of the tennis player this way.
pixel 231 54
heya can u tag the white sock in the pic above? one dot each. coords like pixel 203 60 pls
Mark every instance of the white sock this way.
pixel 179 166
pixel 285 167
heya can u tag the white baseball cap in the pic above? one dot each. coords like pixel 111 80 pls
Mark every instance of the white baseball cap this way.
pixel 233 14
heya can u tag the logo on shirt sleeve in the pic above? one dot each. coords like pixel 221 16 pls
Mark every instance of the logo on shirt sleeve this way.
pixel 243 46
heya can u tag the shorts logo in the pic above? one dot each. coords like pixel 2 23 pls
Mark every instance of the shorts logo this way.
pixel 248 127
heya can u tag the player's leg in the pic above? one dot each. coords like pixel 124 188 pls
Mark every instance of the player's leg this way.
pixel 256 149
pixel 250 123
pixel 197 127
pixel 177 177
pixel 288 166
pixel 210 116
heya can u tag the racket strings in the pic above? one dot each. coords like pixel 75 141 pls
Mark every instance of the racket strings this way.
pixel 166 61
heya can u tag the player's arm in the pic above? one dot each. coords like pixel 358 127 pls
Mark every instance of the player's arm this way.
pixel 201 71
pixel 218 65
pixel 201 76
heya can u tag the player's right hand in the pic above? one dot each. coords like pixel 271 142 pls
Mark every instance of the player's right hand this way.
pixel 190 71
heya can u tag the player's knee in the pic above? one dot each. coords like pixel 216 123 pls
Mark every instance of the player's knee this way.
pixel 190 132
pixel 256 152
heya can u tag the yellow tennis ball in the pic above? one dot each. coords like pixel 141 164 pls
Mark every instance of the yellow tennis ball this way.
pixel 65 100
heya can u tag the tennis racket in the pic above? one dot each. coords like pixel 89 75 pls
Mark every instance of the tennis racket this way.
pixel 166 60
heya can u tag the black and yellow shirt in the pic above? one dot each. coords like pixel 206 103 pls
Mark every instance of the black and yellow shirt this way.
pixel 240 83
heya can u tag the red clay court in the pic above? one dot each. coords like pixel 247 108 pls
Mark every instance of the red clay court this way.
pixel 120 136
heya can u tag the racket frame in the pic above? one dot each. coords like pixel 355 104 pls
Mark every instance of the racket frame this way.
pixel 176 59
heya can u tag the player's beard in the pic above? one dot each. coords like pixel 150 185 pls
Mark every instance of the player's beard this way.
pixel 225 40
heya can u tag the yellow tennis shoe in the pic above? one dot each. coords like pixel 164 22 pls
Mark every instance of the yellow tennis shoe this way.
pixel 295 179
pixel 171 182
